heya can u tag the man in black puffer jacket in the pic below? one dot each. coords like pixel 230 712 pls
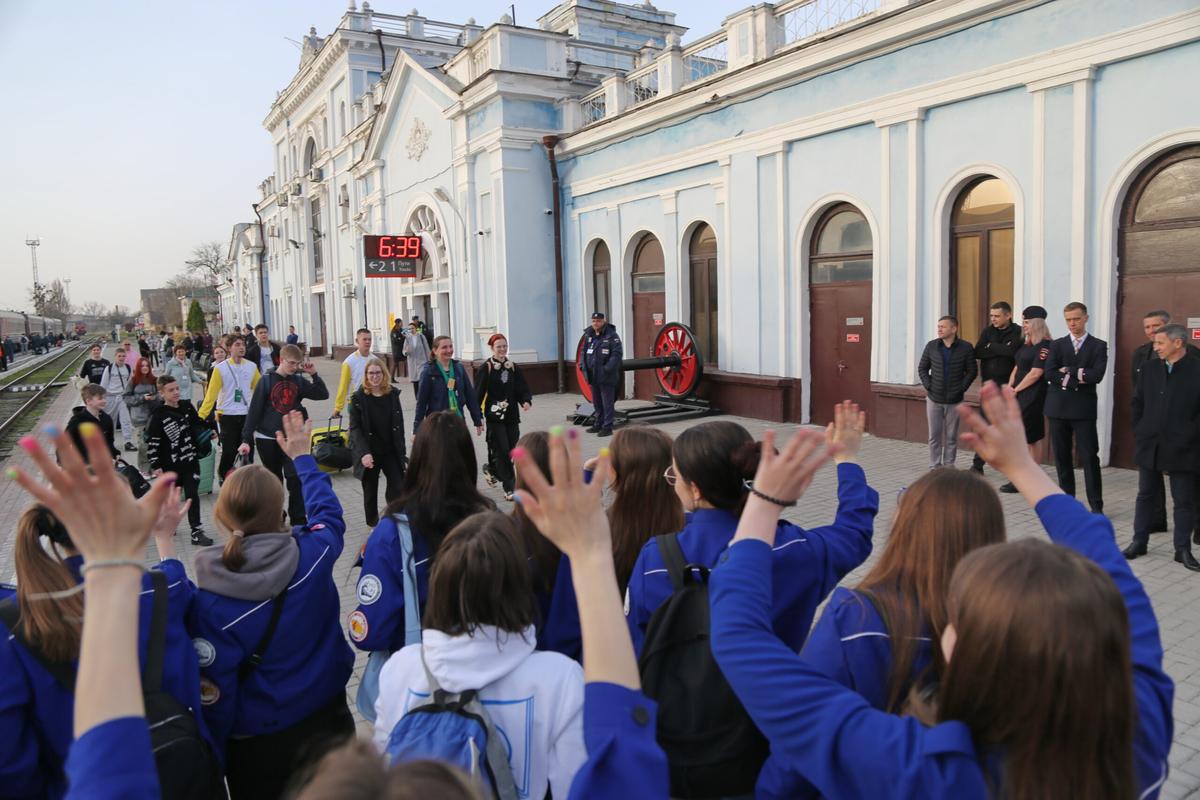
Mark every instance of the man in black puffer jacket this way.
pixel 996 350
pixel 947 368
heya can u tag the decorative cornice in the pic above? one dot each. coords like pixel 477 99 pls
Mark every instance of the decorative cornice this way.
pixel 303 85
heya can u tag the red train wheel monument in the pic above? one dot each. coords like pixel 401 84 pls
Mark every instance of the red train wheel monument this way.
pixel 678 367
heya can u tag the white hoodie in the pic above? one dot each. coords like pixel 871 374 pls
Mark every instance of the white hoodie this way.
pixel 535 699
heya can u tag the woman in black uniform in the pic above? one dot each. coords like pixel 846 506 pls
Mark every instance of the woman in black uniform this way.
pixel 502 389
pixel 1028 379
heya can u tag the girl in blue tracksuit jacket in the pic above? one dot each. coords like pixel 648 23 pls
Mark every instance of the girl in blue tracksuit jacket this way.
pixel 939 519
pixel 711 463
pixel 36 711
pixel 438 492
pixel 848 749
pixel 294 699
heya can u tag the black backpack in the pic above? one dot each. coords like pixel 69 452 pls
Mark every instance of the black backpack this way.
pixel 713 747
pixel 187 767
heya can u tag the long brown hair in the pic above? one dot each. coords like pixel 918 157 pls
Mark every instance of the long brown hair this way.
pixel 53 624
pixel 1041 671
pixel 250 502
pixel 644 504
pixel 940 518
pixel 480 578
pixel 543 552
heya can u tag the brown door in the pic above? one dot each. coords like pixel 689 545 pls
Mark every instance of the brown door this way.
pixel 703 291
pixel 649 311
pixel 1159 270
pixel 840 303
pixel 840 347
pixel 321 324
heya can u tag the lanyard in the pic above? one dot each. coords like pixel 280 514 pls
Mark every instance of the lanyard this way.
pixel 451 385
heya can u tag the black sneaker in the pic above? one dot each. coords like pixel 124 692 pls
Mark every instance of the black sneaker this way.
pixel 488 476
pixel 604 432
pixel 593 429
pixel 199 539
pixel 977 468
pixel 1008 488
pixel 130 447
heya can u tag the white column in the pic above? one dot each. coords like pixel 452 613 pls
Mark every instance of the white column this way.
pixel 916 199
pixel 1081 178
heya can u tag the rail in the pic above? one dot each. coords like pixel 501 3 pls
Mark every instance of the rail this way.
pixel 706 57
pixel 798 21
pixel 10 420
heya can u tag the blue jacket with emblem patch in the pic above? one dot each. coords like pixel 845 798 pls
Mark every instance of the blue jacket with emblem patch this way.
pixel 847 749
pixel 807 564
pixel 308 661
pixel 378 622
pixel 36 711
pixel 601 356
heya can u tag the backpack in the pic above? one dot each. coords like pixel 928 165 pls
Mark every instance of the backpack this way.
pixel 713 747
pixel 453 728
pixel 187 767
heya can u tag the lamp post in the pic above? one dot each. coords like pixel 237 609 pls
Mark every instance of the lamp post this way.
pixel 444 196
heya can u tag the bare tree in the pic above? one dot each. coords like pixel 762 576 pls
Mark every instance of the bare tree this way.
pixel 207 263
pixel 118 316
pixel 50 300
pixel 185 283
pixel 92 308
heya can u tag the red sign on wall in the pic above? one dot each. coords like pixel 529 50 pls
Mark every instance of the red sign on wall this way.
pixel 854 337
pixel 1196 333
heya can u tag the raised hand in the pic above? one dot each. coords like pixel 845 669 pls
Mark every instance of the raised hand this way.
pixel 296 437
pixel 1000 439
pixel 846 431
pixel 106 523
pixel 566 510
pixel 786 475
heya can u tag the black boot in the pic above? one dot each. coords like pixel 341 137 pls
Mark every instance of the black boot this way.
pixel 1008 488
pixel 1184 556
pixel 1135 549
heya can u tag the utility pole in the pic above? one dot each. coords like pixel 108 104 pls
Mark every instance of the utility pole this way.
pixel 39 301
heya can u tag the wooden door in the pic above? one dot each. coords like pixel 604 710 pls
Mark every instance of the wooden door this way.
pixel 1159 249
pixel 321 323
pixel 649 312
pixel 840 349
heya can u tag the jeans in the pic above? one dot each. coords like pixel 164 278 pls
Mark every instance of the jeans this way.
pixel 275 460
pixel 943 433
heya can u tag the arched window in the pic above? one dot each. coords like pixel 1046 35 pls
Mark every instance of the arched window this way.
pixel 424 222
pixel 981 252
pixel 601 280
pixel 342 119
pixel 702 258
pixel 841 247
pixel 310 154
pixel 648 266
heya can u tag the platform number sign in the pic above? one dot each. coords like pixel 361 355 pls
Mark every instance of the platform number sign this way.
pixel 391 256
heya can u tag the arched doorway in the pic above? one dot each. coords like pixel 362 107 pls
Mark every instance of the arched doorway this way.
pixel 649 310
pixel 1158 268
pixel 702 273
pixel 601 285
pixel 839 290
pixel 982 240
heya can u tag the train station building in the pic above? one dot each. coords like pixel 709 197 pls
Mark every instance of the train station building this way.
pixel 808 188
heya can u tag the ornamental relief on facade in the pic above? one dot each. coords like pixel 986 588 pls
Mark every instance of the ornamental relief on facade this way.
pixel 418 140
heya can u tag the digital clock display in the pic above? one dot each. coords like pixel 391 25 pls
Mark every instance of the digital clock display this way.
pixel 391 256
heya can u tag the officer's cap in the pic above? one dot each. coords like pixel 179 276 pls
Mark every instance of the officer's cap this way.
pixel 1034 312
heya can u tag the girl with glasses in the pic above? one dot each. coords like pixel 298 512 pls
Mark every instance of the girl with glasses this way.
pixel 377 436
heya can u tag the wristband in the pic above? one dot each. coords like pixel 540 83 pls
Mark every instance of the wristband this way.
pixel 772 500
pixel 114 562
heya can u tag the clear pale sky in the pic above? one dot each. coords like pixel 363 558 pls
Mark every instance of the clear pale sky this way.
pixel 132 131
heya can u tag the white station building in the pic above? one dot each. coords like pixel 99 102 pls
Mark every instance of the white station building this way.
pixel 808 188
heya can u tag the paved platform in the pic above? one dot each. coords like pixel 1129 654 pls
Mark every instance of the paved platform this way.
pixel 891 465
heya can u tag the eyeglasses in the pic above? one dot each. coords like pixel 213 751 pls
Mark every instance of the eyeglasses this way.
pixel 669 475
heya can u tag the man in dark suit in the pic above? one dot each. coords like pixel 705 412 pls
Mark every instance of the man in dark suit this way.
pixel 1166 427
pixel 1077 362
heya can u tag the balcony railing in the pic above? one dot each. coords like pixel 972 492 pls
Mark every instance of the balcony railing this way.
pixel 593 107
pixel 706 57
pixel 643 84
pixel 811 17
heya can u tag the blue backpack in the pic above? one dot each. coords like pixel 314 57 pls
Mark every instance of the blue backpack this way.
pixel 455 728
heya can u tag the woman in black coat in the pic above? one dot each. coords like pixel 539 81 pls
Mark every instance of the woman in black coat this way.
pixel 377 437
pixel 502 390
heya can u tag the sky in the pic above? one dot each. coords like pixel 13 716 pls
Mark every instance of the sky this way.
pixel 132 131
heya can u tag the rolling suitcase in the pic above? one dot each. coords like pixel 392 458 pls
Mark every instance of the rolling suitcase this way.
pixel 208 466
pixel 330 447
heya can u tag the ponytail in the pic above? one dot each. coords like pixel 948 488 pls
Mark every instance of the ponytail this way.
pixel 232 556
pixel 50 622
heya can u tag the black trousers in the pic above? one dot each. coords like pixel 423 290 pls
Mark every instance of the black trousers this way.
pixel 231 427
pixel 189 482
pixel 604 399
pixel 275 460
pixel 502 438
pixel 393 469
pixel 1067 435
pixel 262 767
pixel 1183 494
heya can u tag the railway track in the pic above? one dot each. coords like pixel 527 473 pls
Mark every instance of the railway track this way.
pixel 24 393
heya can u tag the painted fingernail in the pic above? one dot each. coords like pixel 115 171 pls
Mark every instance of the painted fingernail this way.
pixel 572 434
pixel 556 430
pixel 605 452
pixel 517 453
pixel 50 430
pixel 11 473
pixel 517 499
pixel 28 444
pixel 87 429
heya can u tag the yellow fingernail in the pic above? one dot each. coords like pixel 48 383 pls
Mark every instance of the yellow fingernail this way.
pixel 87 428
pixel 11 473
pixel 557 430
pixel 604 452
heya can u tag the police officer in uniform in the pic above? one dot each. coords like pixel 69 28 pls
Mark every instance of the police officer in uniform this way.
pixel 601 367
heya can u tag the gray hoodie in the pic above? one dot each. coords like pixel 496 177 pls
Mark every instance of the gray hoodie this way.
pixel 271 560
